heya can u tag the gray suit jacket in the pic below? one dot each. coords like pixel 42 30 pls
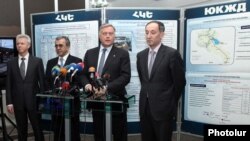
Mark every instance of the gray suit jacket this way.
pixel 165 84
pixel 22 92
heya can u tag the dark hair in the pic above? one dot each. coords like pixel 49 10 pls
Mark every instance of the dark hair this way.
pixel 65 38
pixel 160 25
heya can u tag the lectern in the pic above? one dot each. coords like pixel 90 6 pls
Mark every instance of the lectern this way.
pixel 57 104
pixel 108 101
pixel 49 104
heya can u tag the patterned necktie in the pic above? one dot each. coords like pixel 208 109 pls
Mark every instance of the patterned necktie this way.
pixel 22 68
pixel 152 59
pixel 100 68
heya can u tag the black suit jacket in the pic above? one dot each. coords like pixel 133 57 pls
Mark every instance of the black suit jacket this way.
pixel 53 62
pixel 22 93
pixel 117 65
pixel 165 84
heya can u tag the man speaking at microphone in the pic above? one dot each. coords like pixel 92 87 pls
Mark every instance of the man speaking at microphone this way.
pixel 62 48
pixel 114 61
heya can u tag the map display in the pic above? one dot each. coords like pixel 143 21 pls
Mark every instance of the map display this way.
pixel 212 46
pixel 217 71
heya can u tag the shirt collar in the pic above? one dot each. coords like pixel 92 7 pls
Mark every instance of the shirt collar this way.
pixel 65 57
pixel 26 56
pixel 108 48
pixel 155 49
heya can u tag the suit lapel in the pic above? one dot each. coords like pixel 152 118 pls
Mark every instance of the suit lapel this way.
pixel 67 62
pixel 145 62
pixel 160 54
pixel 110 58
pixel 95 57
pixel 16 67
pixel 29 66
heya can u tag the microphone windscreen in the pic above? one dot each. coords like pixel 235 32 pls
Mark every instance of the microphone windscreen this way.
pixel 81 64
pixel 78 67
pixel 63 71
pixel 71 67
pixel 91 69
pixel 65 85
pixel 55 70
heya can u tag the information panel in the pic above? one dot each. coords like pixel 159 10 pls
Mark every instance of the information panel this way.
pixel 130 34
pixel 217 58
pixel 80 26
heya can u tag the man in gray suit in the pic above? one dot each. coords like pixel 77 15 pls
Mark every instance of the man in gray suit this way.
pixel 162 77
pixel 25 78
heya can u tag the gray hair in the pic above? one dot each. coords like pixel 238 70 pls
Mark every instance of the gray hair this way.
pixel 65 38
pixel 106 25
pixel 19 36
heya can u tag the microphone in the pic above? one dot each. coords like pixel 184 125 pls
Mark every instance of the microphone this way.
pixel 55 70
pixel 81 64
pixel 70 67
pixel 65 85
pixel 62 72
pixel 78 68
pixel 92 73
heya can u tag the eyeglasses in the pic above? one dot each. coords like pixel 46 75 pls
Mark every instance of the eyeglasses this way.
pixel 107 33
pixel 58 45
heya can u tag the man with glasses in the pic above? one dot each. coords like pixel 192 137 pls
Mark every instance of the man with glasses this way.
pixel 62 48
pixel 115 62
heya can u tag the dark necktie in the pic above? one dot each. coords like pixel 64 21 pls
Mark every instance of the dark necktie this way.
pixel 22 68
pixel 152 59
pixel 100 68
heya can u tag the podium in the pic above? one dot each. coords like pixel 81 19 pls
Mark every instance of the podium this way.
pixel 51 104
pixel 108 109
pixel 47 107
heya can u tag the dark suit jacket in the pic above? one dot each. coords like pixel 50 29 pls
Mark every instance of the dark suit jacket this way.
pixel 53 62
pixel 22 93
pixel 117 65
pixel 165 85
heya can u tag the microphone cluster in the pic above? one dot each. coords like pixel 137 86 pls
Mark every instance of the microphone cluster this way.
pixel 63 76
pixel 97 81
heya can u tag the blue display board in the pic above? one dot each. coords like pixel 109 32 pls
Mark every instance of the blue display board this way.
pixel 217 89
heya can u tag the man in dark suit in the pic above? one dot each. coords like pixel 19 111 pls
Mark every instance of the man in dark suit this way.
pixel 162 77
pixel 117 65
pixel 25 78
pixel 62 47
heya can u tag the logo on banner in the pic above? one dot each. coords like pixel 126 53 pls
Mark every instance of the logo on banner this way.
pixel 230 8
pixel 64 17
pixel 142 14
